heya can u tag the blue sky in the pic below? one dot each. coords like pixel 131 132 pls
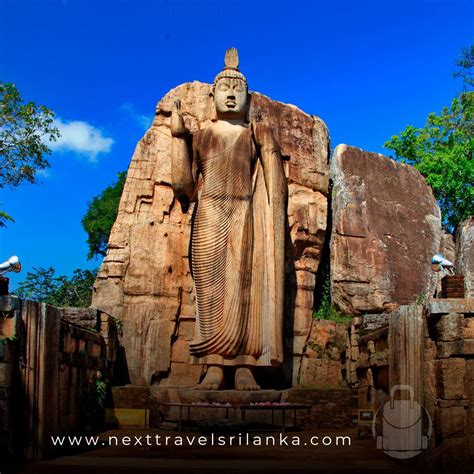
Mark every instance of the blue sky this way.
pixel 367 68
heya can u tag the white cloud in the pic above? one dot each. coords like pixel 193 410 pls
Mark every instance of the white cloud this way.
pixel 82 138
pixel 143 121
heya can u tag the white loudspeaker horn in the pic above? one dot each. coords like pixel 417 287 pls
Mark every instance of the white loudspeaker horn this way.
pixel 11 265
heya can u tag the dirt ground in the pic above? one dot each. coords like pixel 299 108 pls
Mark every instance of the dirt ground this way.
pixel 356 456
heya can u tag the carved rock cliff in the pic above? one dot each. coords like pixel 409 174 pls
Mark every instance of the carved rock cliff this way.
pixel 145 279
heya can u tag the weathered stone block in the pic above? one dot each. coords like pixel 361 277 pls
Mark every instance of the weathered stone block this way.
pixel 406 346
pixel 187 310
pixel 320 373
pixel 84 317
pixel 186 329
pixel 69 343
pixel 446 349
pixel 81 347
pixel 180 351
pixel 96 350
pixel 453 305
pixel 453 403
pixel 9 303
pixel 451 422
pixel 380 358
pixel 6 374
pixel 429 385
pixel 450 327
pixel 7 326
pixel 429 350
pixel 468 347
pixel 460 347
pixel 64 378
pixel 468 328
pixel 450 374
pixel 7 351
pixel 454 451
pixel 183 375
pixel 470 420
pixel 131 397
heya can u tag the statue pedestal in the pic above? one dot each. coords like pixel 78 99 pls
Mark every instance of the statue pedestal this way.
pixel 234 397
pixel 330 407
pixel 148 406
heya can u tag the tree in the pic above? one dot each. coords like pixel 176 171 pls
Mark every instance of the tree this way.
pixel 465 64
pixel 442 150
pixel 24 130
pixel 42 285
pixel 101 215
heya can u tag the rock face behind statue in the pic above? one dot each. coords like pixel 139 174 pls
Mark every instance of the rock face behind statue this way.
pixel 386 228
pixel 465 254
pixel 145 279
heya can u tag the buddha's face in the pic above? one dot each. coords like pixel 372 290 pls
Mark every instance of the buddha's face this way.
pixel 230 98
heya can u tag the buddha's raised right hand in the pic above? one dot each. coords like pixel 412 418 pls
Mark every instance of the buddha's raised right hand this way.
pixel 177 126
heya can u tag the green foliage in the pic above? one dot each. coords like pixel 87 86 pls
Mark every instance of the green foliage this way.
pixel 5 217
pixel 24 129
pixel 93 400
pixel 421 298
pixel 326 310
pixel 442 150
pixel 101 390
pixel 101 215
pixel 42 285
pixel 6 339
pixel 465 64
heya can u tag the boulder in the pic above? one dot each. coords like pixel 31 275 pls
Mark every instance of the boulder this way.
pixel 386 226
pixel 448 249
pixel 145 278
pixel 465 254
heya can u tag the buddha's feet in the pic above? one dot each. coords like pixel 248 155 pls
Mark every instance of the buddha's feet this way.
pixel 244 379
pixel 214 379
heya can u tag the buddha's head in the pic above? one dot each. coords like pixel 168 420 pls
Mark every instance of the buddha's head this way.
pixel 230 89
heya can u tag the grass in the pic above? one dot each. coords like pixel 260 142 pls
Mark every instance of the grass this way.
pixel 327 310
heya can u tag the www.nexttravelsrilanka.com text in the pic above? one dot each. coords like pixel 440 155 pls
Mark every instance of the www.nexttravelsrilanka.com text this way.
pixel 212 440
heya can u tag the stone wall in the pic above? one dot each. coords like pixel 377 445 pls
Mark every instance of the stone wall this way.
pixel 82 353
pixel 9 402
pixel 330 408
pixel 367 359
pixel 145 279
pixel 47 365
pixel 449 379
pixel 320 365
pixel 430 348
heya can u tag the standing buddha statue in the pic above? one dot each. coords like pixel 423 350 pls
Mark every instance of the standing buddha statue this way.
pixel 238 233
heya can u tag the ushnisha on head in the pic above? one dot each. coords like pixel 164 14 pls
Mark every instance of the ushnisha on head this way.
pixel 230 89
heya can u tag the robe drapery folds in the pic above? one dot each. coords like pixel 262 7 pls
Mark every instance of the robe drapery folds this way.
pixel 237 248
